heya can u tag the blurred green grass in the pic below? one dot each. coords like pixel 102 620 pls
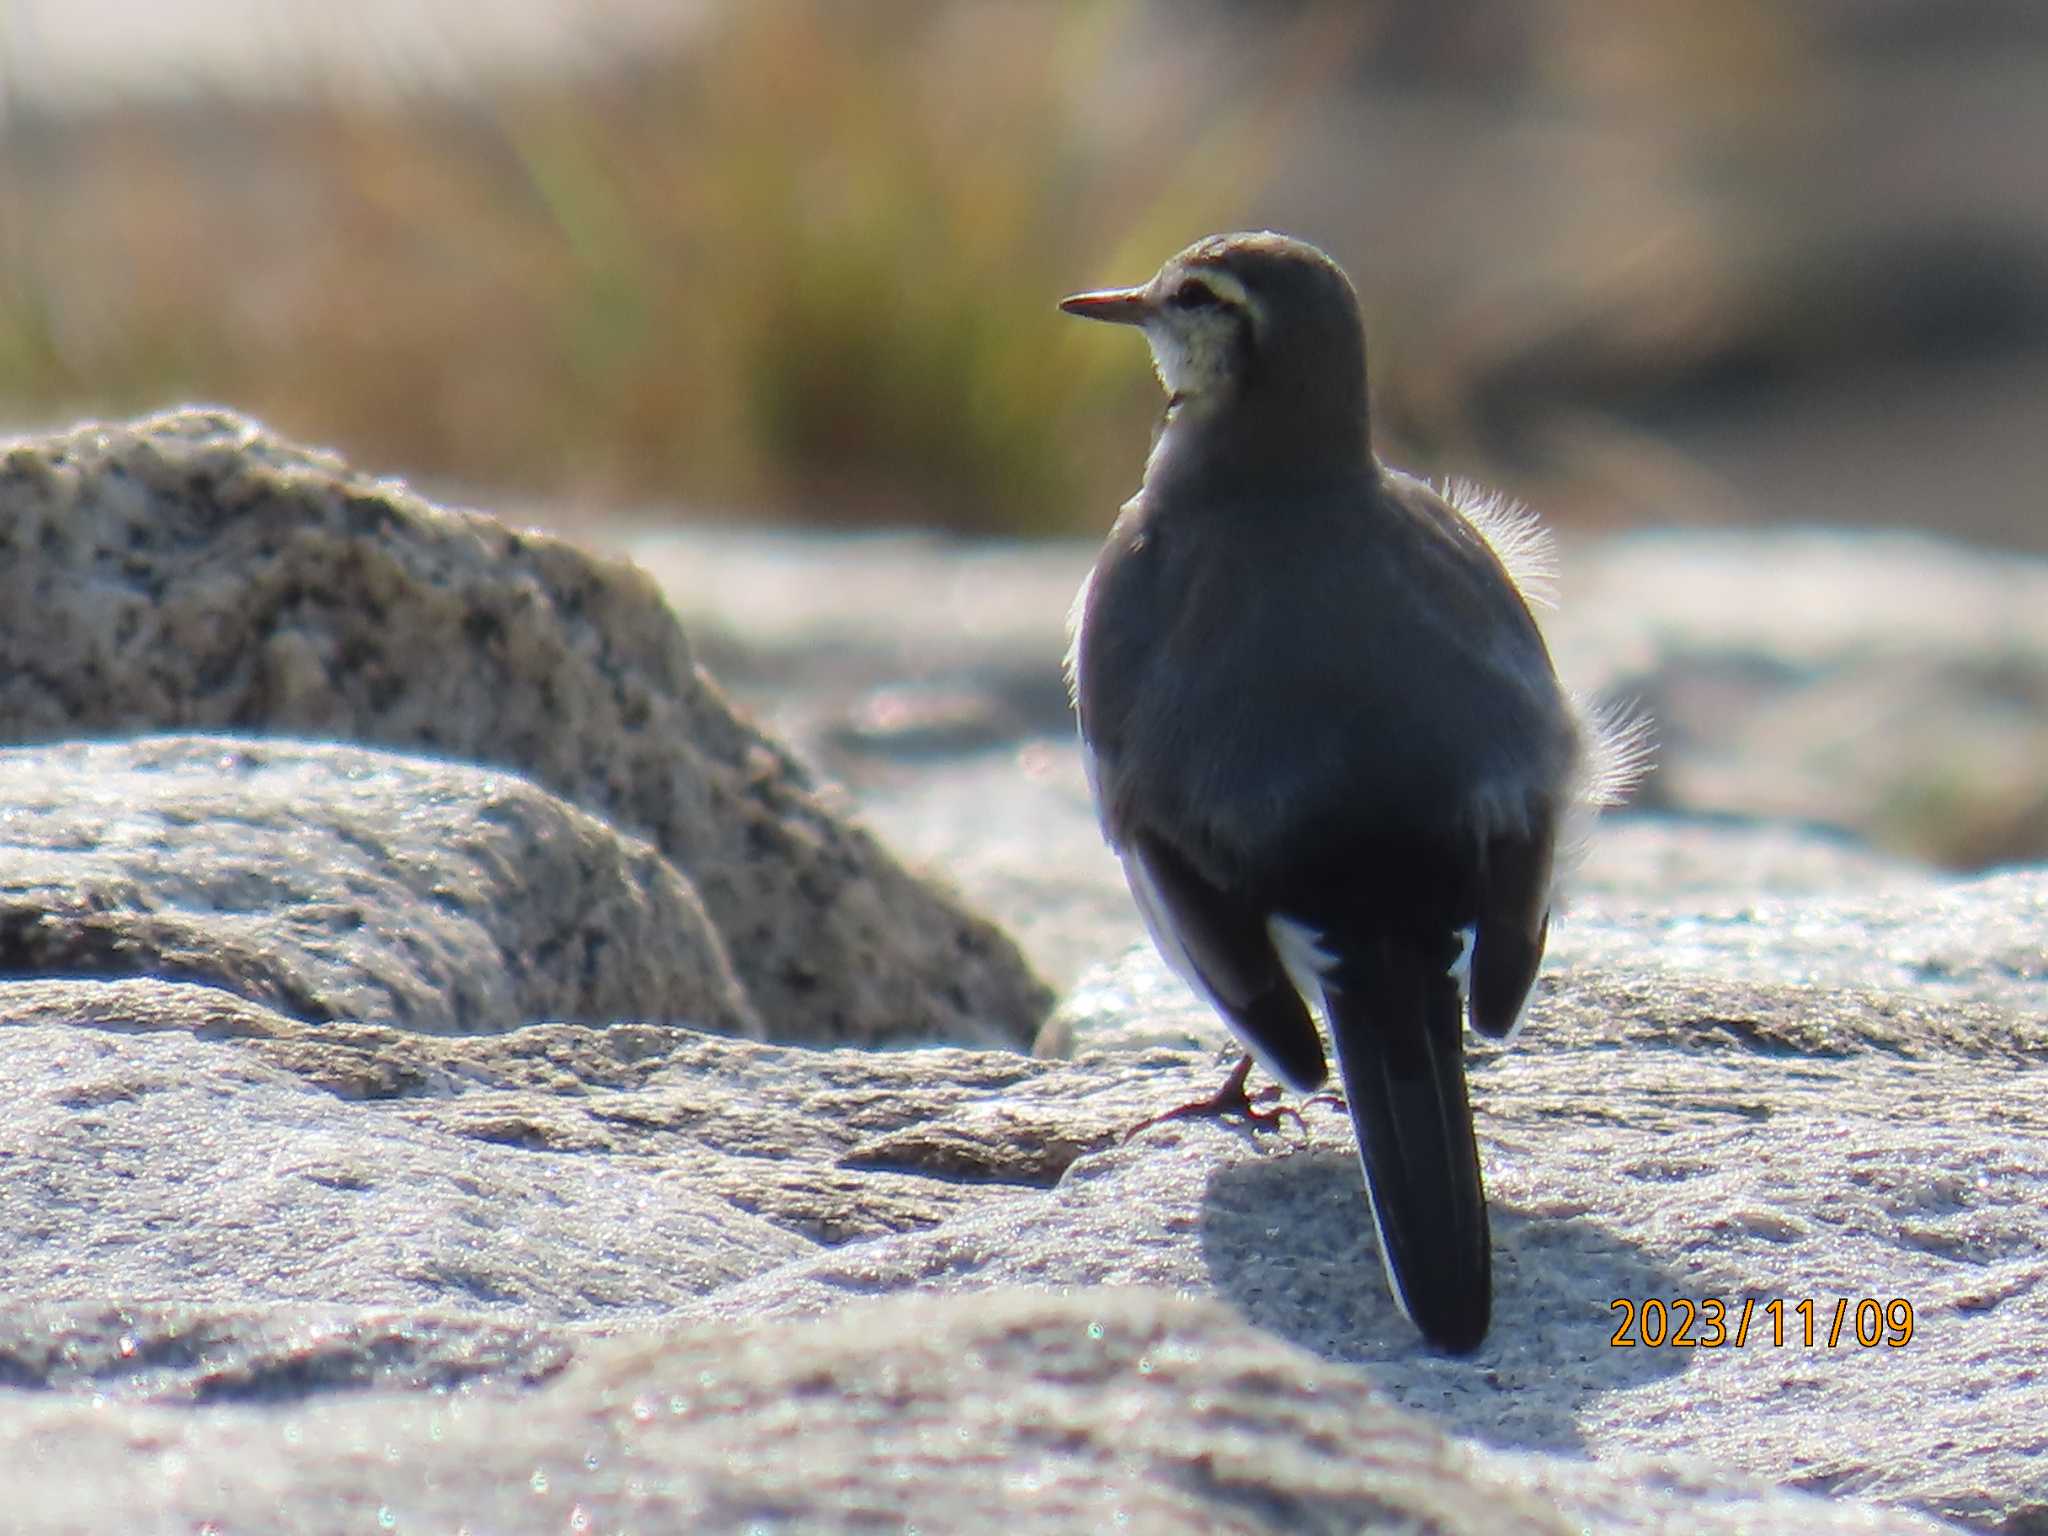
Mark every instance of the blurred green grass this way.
pixel 805 265
pixel 1673 263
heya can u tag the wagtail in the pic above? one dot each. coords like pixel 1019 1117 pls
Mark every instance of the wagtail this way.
pixel 1325 737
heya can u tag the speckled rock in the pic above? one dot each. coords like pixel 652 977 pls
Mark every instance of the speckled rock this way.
pixel 1884 927
pixel 1891 685
pixel 289 1275
pixel 332 882
pixel 192 572
pixel 341 1206
pixel 1031 1413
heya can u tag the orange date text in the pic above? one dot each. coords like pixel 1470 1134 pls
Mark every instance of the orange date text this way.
pixel 1682 1323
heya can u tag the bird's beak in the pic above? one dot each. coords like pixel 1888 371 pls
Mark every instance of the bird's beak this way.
pixel 1125 306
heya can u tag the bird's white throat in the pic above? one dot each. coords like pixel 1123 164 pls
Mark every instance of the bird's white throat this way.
pixel 1191 354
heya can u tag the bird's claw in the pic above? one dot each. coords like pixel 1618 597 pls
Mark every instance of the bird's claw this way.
pixel 1232 1099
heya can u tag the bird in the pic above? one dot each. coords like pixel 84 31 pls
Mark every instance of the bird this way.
pixel 1324 736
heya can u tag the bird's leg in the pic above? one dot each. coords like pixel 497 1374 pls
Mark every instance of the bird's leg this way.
pixel 1230 1099
pixel 1329 1096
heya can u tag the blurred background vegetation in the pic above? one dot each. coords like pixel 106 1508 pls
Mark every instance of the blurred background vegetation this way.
pixel 796 259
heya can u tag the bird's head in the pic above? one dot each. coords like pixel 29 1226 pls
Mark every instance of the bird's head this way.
pixel 1258 341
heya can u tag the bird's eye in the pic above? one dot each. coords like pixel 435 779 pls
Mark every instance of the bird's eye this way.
pixel 1193 294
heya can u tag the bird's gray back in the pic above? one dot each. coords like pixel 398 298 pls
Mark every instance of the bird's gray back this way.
pixel 1202 735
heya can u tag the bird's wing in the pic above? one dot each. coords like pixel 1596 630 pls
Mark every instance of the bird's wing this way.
pixel 1510 929
pixel 1223 948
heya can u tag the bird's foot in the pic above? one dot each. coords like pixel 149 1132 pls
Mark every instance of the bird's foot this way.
pixel 1231 1099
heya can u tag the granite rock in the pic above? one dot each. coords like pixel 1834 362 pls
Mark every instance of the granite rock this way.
pixel 193 572
pixel 1750 917
pixel 1025 1412
pixel 344 1206
pixel 276 1263
pixel 333 882
pixel 1894 686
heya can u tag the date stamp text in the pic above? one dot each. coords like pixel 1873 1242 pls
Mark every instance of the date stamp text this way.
pixel 1681 1323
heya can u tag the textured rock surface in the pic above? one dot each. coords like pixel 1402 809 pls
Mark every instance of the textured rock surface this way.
pixel 1893 685
pixel 1126 1410
pixel 288 1275
pixel 1924 936
pixel 332 882
pixel 345 1205
pixel 192 572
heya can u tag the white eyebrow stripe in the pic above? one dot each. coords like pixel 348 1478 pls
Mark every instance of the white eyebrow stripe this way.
pixel 1225 285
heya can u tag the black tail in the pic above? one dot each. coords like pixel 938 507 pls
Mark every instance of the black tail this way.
pixel 1396 1018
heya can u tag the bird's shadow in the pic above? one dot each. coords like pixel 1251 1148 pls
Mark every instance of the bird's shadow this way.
pixel 1289 1241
